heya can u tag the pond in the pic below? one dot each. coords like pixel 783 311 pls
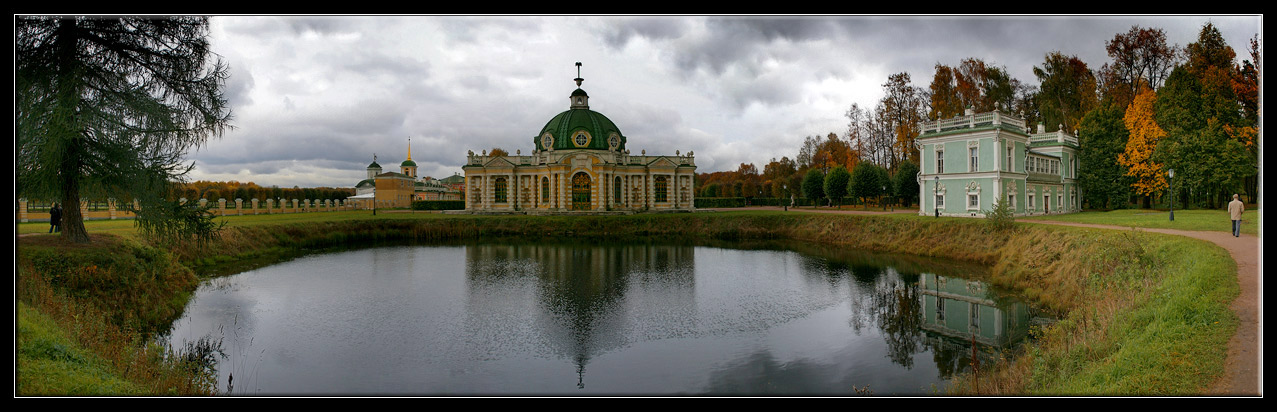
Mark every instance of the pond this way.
pixel 525 318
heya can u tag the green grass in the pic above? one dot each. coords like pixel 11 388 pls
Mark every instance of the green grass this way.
pixel 1193 219
pixel 50 363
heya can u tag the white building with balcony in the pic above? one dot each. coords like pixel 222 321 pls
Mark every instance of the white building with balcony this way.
pixel 970 161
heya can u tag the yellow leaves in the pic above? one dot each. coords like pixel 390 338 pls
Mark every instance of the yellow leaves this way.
pixel 1144 135
pixel 1244 134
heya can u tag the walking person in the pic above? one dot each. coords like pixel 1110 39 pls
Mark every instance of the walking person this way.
pixel 55 219
pixel 1235 208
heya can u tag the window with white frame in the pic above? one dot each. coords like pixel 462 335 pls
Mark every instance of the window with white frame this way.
pixel 940 201
pixel 973 196
pixel 975 158
pixel 939 160
pixel 1009 159
pixel 1030 205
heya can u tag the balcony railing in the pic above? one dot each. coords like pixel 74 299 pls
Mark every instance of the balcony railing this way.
pixel 1057 136
pixel 994 118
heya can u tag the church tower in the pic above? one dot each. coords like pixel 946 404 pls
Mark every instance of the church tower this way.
pixel 409 167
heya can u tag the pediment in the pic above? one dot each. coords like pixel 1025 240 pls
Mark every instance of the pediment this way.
pixel 498 163
pixel 662 162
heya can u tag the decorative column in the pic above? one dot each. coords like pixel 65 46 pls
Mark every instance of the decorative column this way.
pixel 254 205
pixel 22 210
pixel 221 206
pixel 239 206
pixel 270 204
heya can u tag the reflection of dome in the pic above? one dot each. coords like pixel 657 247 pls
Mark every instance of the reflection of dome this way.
pixel 580 128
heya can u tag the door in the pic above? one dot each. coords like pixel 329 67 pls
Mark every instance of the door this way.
pixel 581 191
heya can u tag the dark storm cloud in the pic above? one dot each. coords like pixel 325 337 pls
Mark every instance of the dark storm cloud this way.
pixel 617 33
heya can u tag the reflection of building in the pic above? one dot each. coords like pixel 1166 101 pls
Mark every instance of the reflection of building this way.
pixel 399 189
pixel 585 292
pixel 962 309
pixel 579 163
pixel 971 161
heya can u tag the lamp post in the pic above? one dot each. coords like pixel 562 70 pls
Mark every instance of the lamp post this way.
pixel 935 205
pixel 1171 174
pixel 884 192
pixel 784 191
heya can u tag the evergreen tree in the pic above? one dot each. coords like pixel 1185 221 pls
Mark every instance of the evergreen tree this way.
pixel 110 106
pixel 1103 137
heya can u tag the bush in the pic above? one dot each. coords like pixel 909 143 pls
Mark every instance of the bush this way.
pixel 710 202
pixel 1002 217
pixel 438 205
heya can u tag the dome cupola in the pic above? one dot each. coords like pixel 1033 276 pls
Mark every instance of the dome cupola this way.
pixel 579 127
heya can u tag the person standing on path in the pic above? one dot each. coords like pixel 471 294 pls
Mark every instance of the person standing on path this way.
pixel 1235 208
pixel 55 219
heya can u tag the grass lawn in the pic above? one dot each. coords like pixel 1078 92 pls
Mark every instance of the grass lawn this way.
pixel 1195 219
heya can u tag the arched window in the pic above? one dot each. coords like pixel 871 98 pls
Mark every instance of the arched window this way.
pixel 662 188
pixel 545 189
pixel 616 190
pixel 498 190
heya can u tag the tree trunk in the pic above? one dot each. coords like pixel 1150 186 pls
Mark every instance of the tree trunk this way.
pixel 69 131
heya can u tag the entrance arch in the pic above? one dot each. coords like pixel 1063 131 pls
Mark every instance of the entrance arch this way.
pixel 581 191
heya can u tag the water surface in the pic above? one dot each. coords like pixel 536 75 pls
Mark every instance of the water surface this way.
pixel 599 319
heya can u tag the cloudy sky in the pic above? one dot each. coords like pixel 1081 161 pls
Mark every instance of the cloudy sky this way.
pixel 314 97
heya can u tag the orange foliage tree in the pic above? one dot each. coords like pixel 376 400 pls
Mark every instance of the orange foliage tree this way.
pixel 1144 135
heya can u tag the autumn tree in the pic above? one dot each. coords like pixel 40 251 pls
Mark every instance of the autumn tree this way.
pixel 1066 93
pixel 1150 178
pixel 1141 58
pixel 497 151
pixel 945 102
pixel 109 106
pixel 1210 143
pixel 901 112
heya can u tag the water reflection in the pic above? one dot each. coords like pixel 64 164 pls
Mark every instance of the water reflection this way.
pixel 599 318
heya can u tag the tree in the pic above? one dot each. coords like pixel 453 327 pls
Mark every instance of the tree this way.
pixel 1141 58
pixel 497 151
pixel 901 110
pixel 1150 179
pixel 1067 91
pixel 836 184
pixel 1103 136
pixel 867 180
pixel 945 102
pixel 110 107
pixel 814 185
pixel 906 182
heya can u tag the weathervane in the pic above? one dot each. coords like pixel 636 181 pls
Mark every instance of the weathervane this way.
pixel 578 75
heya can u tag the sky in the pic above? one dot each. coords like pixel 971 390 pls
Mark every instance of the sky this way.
pixel 313 98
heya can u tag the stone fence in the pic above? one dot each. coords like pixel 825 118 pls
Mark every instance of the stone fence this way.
pixel 39 211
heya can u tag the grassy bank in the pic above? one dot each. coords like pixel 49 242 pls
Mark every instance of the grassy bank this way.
pixel 1139 313
pixel 1193 219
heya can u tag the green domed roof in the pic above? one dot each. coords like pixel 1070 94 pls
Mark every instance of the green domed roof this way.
pixel 374 165
pixel 579 127
pixel 407 163
pixel 593 128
